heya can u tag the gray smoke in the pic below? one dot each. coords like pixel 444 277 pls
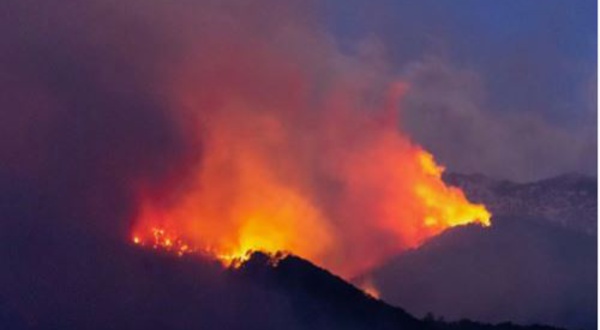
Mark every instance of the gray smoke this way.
pixel 447 110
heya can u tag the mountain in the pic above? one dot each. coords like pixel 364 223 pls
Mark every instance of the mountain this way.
pixel 537 263
pixel 325 301
pixel 568 200
pixel 83 286
pixel 67 274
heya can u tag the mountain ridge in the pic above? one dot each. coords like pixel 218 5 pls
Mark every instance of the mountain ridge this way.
pixel 305 282
pixel 568 200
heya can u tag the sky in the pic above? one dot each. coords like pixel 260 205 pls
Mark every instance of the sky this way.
pixel 515 92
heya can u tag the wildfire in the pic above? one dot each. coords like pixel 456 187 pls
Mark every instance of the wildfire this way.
pixel 345 190
pixel 279 226
pixel 159 238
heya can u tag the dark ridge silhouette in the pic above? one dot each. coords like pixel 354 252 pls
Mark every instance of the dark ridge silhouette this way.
pixel 321 298
pixel 325 301
pixel 124 287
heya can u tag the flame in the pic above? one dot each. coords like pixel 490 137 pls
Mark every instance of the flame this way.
pixel 160 238
pixel 345 190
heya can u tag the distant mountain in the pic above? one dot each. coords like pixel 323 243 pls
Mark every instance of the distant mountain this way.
pixel 569 200
pixel 537 263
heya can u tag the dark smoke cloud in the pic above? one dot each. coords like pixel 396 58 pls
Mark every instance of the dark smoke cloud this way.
pixel 82 119
pixel 86 99
pixel 85 119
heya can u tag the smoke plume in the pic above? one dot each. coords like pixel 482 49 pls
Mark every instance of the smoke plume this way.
pixel 234 126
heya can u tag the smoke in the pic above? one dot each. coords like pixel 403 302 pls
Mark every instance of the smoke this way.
pixel 447 112
pixel 512 97
pixel 300 150
pixel 238 126
pixel 86 117
pixel 82 115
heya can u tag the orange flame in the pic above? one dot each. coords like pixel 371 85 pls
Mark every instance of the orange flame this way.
pixel 344 190
pixel 159 238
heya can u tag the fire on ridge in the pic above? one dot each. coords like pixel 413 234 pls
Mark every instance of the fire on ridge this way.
pixel 447 205
pixel 161 239
pixel 346 192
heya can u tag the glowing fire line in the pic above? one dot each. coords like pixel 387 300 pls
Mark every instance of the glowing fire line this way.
pixel 162 239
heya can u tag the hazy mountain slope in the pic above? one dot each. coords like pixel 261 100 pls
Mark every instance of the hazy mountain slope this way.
pixel 569 200
pixel 520 270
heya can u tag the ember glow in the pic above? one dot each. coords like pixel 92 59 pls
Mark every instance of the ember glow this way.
pixel 159 238
pixel 369 288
